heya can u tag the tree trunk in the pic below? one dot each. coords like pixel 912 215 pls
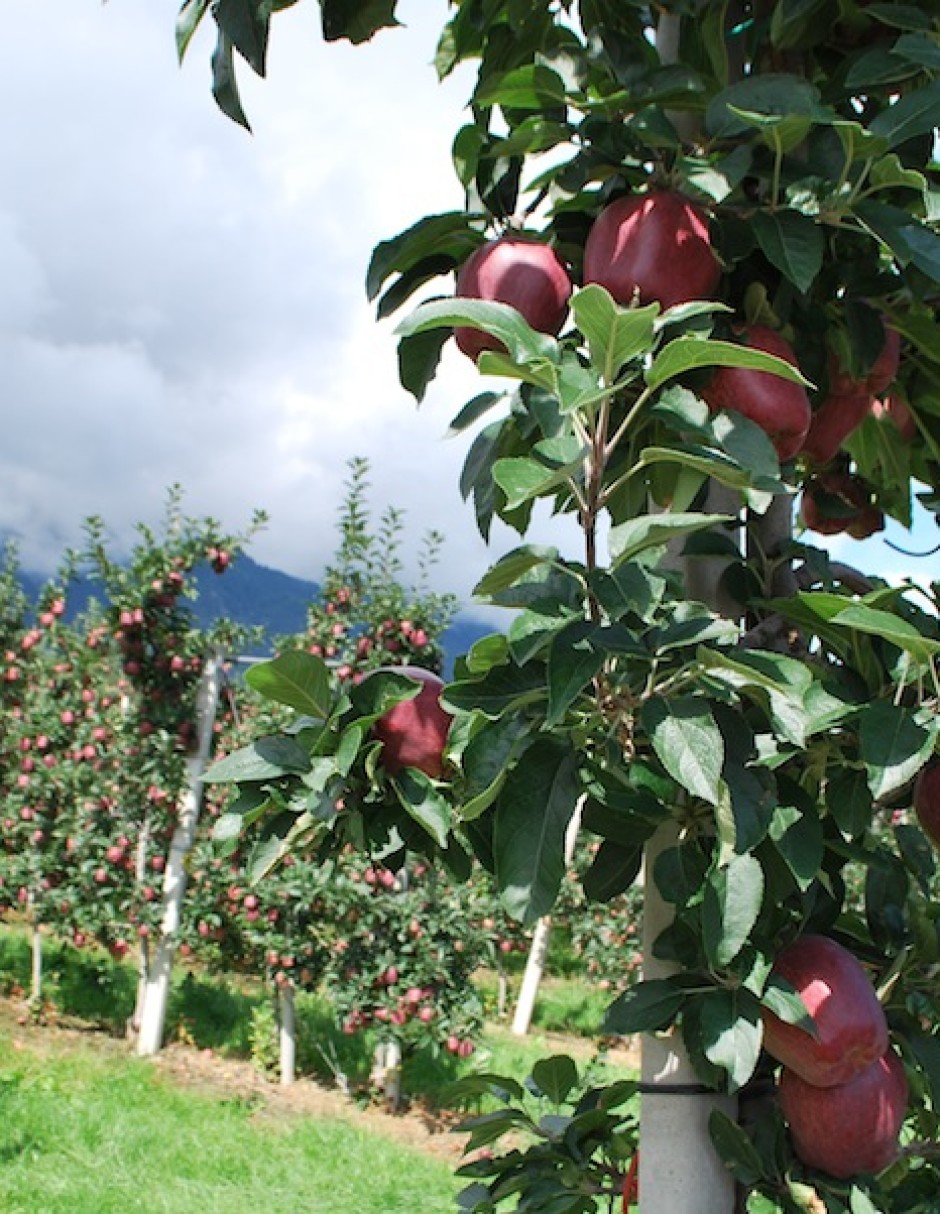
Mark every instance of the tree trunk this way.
pixel 153 1016
pixel 287 1032
pixel 35 985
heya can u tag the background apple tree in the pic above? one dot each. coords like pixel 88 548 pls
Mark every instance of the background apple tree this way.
pixel 701 683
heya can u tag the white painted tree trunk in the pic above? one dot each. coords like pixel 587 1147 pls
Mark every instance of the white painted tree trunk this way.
pixel 386 1072
pixel 538 949
pixel 35 986
pixel 153 1016
pixel 287 1033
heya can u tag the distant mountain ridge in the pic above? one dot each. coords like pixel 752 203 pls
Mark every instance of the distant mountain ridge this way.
pixel 254 595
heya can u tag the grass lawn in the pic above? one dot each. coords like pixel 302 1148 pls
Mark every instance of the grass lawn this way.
pixel 82 1133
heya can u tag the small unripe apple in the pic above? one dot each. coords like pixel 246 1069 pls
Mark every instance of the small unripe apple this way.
pixel 414 732
pixel 523 273
pixel 852 1127
pixel 927 802
pixel 655 246
pixel 851 1029
pixel 780 407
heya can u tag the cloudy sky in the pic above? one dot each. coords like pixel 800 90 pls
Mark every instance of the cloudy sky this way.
pixel 181 302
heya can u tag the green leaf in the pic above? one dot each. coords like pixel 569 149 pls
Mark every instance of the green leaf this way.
pixel 612 871
pixel 913 114
pixel 792 242
pixel 532 815
pixel 890 628
pixel 264 759
pixel 533 86
pixel 298 679
pixel 245 23
pixel 688 743
pixel 572 664
pixel 733 898
pixel 422 801
pixel 798 837
pixel 448 235
pixel 692 353
pixel 187 22
pixel 224 82
pixel 555 1077
pixel 418 359
pixel 774 95
pixel 614 335
pixel 646 1007
pixel 499 320
pixel 356 20
pixel 735 1148
pixel 783 999
pixel 893 745
pixel 510 568
pixel 627 540
pixel 730 1031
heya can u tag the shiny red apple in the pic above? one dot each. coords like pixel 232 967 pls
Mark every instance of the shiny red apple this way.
pixel 414 732
pixel 523 273
pixel 833 422
pixel 851 1029
pixel 655 246
pixel 852 1127
pixel 780 407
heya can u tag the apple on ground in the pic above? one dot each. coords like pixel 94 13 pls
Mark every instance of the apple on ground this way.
pixel 851 1031
pixel 414 732
pixel 849 1128
pixel 779 406
pixel 521 272
pixel 655 246
pixel 927 801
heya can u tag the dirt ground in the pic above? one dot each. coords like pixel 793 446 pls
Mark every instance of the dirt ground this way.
pixel 433 1131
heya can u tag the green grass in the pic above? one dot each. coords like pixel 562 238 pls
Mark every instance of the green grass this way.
pixel 83 1134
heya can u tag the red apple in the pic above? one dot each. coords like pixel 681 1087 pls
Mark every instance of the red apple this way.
pixel 849 1128
pixel 851 1030
pixel 835 502
pixel 780 407
pixel 927 802
pixel 523 273
pixel 414 732
pixel 835 419
pixel 653 245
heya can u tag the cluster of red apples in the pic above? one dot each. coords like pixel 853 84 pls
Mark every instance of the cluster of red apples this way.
pixel 655 247
pixel 842 1089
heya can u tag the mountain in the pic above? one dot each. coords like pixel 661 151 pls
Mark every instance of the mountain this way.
pixel 255 595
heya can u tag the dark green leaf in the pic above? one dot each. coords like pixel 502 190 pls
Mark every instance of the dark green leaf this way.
pixel 735 1148
pixel 418 359
pixel 531 87
pixel 730 1028
pixel 555 1077
pixel 532 815
pixel 190 15
pixel 792 242
pixel 572 665
pixel 224 83
pixel 692 353
pixel 356 20
pixel 422 801
pixel 894 747
pixel 245 23
pixel 647 1007
pixel 913 114
pixel 612 871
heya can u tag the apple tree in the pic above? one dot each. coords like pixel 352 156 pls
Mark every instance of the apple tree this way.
pixel 745 198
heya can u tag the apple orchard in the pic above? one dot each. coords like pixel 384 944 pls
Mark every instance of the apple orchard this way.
pixel 698 271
